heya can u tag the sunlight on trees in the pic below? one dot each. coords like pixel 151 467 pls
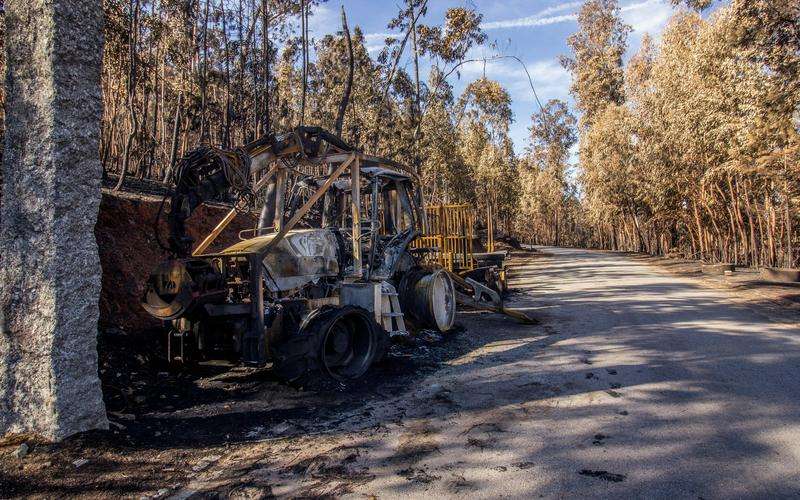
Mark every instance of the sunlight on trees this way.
pixel 699 154
pixel 690 148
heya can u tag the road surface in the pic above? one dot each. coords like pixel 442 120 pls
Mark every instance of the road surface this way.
pixel 637 383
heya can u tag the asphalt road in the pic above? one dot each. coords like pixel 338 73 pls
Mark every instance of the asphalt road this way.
pixel 636 384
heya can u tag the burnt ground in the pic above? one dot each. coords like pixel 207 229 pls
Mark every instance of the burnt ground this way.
pixel 165 422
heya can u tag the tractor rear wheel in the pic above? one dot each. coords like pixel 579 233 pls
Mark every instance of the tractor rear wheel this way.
pixel 340 342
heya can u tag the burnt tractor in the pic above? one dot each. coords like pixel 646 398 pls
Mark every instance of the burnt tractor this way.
pixel 326 278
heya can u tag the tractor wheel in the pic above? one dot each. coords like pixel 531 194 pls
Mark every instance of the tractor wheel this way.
pixel 340 342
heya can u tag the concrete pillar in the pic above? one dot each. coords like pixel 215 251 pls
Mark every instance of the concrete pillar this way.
pixel 50 270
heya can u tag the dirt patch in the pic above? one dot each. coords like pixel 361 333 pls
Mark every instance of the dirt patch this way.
pixel 417 443
pixel 339 463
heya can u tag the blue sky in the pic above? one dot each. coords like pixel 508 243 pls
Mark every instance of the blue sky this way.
pixel 533 30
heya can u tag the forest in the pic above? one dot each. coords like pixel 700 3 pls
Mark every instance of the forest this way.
pixel 688 147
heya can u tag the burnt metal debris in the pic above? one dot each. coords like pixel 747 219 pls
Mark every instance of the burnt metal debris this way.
pixel 327 277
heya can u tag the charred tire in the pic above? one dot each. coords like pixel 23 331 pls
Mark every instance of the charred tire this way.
pixel 340 342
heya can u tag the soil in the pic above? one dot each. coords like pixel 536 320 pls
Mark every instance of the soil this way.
pixel 747 282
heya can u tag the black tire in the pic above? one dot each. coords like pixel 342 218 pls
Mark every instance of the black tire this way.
pixel 341 343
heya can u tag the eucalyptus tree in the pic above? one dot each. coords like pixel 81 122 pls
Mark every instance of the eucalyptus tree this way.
pixel 596 63
pixel 545 188
pixel 597 71
pixel 484 117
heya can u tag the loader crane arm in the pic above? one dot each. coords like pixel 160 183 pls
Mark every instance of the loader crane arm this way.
pixel 210 174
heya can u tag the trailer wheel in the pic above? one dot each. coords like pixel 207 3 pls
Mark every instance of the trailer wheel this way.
pixel 340 342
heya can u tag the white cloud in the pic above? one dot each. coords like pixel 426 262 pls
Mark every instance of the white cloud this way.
pixel 649 16
pixel 560 8
pixel 529 21
pixel 638 5
pixel 323 21
pixel 541 18
pixel 379 36
pixel 548 71
pixel 374 42
pixel 551 81
pixel 495 69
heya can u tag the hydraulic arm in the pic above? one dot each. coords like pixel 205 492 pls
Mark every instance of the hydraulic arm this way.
pixel 209 174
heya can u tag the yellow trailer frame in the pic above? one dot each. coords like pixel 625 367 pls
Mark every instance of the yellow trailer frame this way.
pixel 448 232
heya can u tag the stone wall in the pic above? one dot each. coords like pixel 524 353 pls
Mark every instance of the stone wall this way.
pixel 50 272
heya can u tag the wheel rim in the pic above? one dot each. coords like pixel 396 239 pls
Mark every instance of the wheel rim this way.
pixel 443 302
pixel 348 347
